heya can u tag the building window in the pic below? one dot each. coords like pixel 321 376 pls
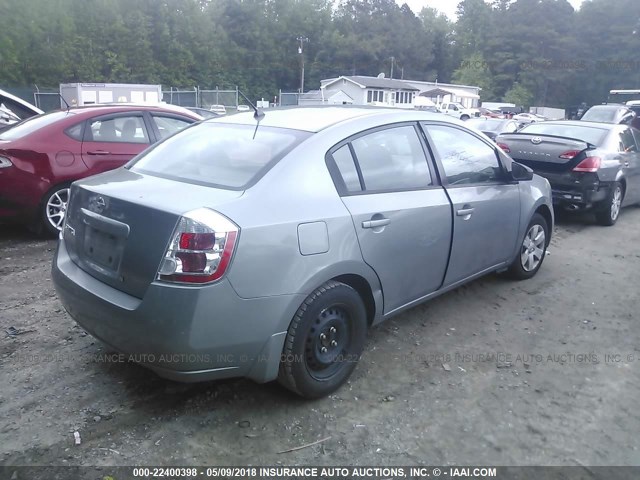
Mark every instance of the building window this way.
pixel 404 97
pixel 375 96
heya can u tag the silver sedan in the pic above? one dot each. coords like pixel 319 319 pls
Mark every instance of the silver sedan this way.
pixel 266 245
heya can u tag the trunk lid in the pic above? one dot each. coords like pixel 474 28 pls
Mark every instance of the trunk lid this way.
pixel 543 152
pixel 119 224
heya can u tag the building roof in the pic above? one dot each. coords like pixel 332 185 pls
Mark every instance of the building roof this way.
pixel 458 92
pixel 374 82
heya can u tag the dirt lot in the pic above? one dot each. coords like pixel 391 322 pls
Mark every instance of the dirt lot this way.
pixel 526 381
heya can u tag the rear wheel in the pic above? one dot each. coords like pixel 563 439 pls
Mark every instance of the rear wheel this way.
pixel 464 117
pixel 610 212
pixel 324 341
pixel 54 208
pixel 532 249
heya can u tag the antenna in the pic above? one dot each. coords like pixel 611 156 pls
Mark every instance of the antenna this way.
pixel 65 102
pixel 257 114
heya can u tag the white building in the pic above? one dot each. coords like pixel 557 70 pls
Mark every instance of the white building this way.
pixel 467 95
pixel 380 91
pixel 361 90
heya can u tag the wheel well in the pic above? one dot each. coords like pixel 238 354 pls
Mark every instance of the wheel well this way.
pixel 363 288
pixel 546 214
pixel 623 183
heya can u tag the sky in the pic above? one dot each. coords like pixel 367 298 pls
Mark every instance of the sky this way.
pixel 449 6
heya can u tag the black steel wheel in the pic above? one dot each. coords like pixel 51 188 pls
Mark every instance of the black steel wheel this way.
pixel 324 341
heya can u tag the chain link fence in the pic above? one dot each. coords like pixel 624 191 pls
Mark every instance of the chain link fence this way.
pixel 49 99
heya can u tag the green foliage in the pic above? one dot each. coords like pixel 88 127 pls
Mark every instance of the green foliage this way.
pixel 519 95
pixel 530 51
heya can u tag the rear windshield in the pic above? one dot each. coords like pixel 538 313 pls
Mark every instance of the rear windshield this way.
pixel 604 115
pixel 32 124
pixel 219 155
pixel 591 135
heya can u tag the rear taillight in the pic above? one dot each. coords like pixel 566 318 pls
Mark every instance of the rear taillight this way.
pixel 504 147
pixel 201 248
pixel 589 164
pixel 5 162
pixel 568 155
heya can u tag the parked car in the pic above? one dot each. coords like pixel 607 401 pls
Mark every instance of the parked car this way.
pixel 492 127
pixel 41 156
pixel 525 118
pixel 14 109
pixel 610 113
pixel 485 112
pixel 243 108
pixel 266 248
pixel 203 112
pixel 458 111
pixel 591 166
pixel 219 109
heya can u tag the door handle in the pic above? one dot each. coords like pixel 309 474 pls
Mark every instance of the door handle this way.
pixel 376 223
pixel 99 152
pixel 463 212
pixel 626 164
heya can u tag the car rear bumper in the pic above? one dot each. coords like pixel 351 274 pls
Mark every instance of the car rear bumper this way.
pixel 575 192
pixel 20 194
pixel 183 333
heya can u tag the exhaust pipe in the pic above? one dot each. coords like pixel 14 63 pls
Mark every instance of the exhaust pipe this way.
pixel 573 207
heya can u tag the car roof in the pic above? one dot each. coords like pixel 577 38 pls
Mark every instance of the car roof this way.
pixel 317 118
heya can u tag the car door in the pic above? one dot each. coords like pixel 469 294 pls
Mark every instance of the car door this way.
pixel 401 215
pixel 110 141
pixel 486 206
pixel 630 152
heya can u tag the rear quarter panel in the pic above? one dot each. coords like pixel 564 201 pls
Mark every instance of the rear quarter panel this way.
pixel 296 191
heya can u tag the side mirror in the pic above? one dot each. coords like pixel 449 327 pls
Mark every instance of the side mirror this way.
pixel 520 173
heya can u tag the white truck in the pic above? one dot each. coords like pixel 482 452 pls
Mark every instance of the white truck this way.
pixel 457 110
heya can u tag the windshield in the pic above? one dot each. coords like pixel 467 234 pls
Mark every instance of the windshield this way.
pixel 219 155
pixel 591 135
pixel 32 124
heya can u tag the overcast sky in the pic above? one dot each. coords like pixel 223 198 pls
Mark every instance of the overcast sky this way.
pixel 449 6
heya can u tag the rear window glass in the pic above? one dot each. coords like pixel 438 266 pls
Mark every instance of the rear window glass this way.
pixel 604 115
pixel 32 124
pixel 219 155
pixel 586 134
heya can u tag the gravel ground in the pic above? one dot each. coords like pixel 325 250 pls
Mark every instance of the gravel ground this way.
pixel 541 372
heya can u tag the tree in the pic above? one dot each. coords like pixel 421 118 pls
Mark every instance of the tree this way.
pixel 519 95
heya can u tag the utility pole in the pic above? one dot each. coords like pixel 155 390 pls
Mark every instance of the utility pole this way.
pixel 392 61
pixel 301 40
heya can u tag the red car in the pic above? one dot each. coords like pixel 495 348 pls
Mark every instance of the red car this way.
pixel 40 157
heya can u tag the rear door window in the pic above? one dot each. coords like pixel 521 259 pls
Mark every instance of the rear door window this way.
pixel 627 142
pixel 120 129
pixel 219 155
pixel 392 159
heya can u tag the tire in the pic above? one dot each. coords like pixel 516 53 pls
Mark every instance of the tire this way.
pixel 465 117
pixel 610 212
pixel 332 318
pixel 53 208
pixel 532 251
